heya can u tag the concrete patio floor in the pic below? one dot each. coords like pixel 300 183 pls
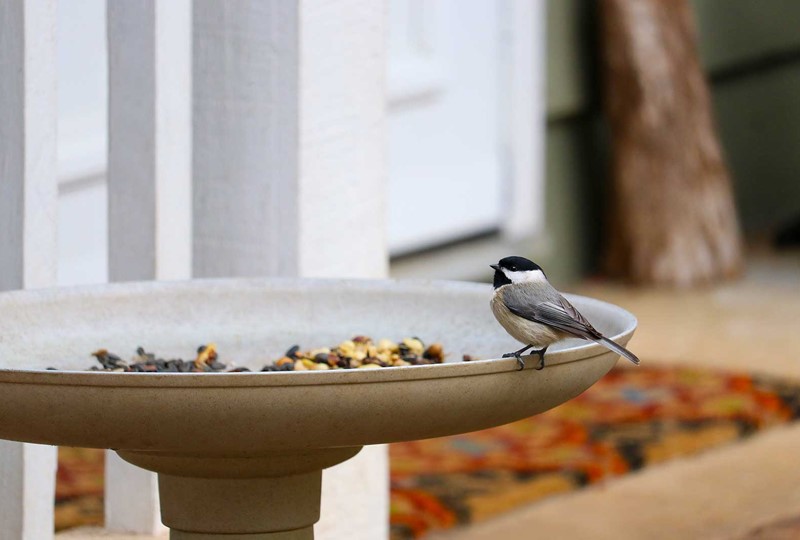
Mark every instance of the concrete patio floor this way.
pixel 728 493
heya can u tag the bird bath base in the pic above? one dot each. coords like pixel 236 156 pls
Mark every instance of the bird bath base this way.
pixel 240 455
pixel 306 533
pixel 270 496
pixel 283 507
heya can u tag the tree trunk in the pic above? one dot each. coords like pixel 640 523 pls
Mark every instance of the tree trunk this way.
pixel 673 219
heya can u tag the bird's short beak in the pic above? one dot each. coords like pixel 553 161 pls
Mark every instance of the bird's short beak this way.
pixel 494 267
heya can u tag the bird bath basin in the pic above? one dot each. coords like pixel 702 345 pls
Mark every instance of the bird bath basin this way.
pixel 242 453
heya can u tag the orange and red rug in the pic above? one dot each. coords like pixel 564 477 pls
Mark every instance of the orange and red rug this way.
pixel 630 419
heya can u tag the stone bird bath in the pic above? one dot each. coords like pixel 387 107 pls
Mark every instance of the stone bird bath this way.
pixel 242 453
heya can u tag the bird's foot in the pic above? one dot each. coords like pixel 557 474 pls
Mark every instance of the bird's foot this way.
pixel 518 356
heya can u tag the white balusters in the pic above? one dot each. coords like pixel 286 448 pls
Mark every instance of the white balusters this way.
pixel 28 218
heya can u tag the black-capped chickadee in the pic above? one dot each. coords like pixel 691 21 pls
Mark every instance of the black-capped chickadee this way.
pixel 534 313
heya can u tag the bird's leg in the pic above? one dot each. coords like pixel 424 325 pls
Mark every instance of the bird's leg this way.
pixel 540 354
pixel 518 356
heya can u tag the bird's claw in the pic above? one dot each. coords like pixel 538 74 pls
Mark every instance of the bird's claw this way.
pixel 518 356
pixel 540 354
pixel 521 362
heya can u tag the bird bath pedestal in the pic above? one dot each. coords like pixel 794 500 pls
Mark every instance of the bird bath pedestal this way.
pixel 240 455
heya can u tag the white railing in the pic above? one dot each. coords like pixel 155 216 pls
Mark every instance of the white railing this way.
pixel 245 138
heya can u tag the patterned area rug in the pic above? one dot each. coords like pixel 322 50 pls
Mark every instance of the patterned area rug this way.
pixel 632 418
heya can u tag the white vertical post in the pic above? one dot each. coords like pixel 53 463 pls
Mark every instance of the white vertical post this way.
pixel 342 224
pixel 245 138
pixel 149 161
pixel 525 112
pixel 28 225
pixel 342 161
pixel 149 188
pixel 289 169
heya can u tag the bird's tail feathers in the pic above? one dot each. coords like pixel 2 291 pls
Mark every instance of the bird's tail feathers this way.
pixel 619 349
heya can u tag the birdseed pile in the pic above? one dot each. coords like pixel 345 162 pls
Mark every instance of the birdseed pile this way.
pixel 360 352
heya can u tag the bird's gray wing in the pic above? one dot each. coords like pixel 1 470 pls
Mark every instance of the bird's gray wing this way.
pixel 546 306
pixel 551 310
pixel 578 317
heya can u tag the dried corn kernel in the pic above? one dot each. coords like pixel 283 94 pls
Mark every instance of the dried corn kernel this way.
pixel 300 366
pixel 387 345
pixel 206 355
pixel 414 345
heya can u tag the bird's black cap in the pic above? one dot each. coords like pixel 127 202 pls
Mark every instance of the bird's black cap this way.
pixel 518 264
pixel 514 264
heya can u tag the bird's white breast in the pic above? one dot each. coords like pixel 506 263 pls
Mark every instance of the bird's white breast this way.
pixel 525 331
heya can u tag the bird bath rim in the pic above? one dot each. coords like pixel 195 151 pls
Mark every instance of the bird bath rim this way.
pixel 577 350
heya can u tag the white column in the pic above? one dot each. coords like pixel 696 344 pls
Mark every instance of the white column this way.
pixel 342 208
pixel 289 170
pixel 342 166
pixel 149 188
pixel 245 141
pixel 525 112
pixel 28 225
pixel 149 160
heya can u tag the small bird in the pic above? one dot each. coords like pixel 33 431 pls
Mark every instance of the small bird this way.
pixel 533 312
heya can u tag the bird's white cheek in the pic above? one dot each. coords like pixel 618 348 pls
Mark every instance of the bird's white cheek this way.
pixel 535 276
